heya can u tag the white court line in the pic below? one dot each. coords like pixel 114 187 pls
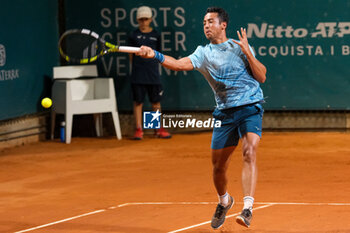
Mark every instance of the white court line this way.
pixel 228 216
pixel 267 204
pixel 60 221
pixel 303 203
pixel 167 203
pixel 214 203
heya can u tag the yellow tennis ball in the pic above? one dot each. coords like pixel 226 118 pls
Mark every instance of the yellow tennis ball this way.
pixel 46 102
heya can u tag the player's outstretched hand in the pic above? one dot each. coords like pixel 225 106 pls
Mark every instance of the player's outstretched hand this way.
pixel 243 41
pixel 145 52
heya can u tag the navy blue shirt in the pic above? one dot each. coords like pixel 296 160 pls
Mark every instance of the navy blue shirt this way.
pixel 145 71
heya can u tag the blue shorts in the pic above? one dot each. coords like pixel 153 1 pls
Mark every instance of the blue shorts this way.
pixel 236 122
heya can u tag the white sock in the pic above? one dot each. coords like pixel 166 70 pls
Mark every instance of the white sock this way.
pixel 223 200
pixel 248 202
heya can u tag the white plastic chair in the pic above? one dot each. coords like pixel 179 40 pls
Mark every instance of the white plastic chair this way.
pixel 88 95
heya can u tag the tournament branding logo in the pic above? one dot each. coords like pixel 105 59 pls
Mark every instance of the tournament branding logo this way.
pixel 6 75
pixel 2 55
pixel 306 40
pixel 323 29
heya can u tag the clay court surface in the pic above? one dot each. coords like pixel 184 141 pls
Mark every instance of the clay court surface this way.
pixel 155 185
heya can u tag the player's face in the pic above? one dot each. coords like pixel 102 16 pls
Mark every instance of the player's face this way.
pixel 212 26
pixel 144 22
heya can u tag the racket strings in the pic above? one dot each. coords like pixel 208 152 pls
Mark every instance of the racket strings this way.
pixel 80 46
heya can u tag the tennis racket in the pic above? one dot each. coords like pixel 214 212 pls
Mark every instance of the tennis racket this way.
pixel 85 46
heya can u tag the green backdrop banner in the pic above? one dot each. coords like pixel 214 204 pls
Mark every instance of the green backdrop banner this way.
pixel 28 51
pixel 304 44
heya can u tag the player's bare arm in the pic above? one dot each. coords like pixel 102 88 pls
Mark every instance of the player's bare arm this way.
pixel 169 62
pixel 258 69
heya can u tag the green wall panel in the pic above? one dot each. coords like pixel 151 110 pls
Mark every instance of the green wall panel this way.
pixel 28 51
pixel 304 44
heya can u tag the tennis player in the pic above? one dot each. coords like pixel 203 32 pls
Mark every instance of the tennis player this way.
pixel 234 74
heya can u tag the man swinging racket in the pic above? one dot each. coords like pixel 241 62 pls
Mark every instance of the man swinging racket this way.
pixel 234 74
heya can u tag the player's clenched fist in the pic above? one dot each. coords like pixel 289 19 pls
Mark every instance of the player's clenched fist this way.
pixel 146 52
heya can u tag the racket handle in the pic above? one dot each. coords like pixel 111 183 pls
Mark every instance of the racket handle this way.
pixel 128 49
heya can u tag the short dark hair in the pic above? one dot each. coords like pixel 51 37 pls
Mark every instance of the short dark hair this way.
pixel 222 14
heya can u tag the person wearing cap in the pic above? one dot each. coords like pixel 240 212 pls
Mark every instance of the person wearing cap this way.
pixel 145 78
